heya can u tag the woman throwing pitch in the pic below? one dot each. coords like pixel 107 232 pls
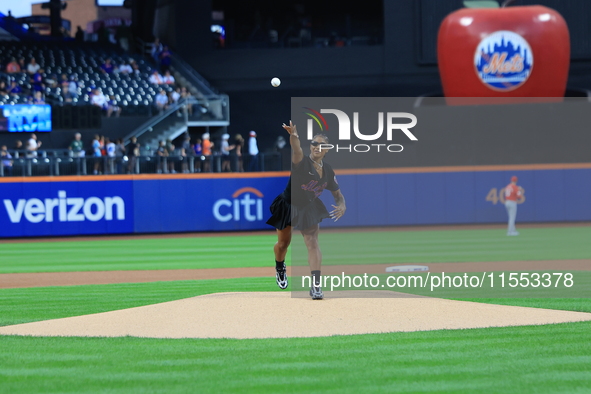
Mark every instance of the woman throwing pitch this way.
pixel 300 207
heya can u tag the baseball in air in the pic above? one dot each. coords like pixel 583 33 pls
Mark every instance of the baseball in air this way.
pixel 275 82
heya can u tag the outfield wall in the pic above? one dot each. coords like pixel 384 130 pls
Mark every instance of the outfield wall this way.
pixel 220 202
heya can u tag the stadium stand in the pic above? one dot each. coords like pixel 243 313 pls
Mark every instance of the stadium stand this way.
pixel 72 71
pixel 133 91
pixel 197 104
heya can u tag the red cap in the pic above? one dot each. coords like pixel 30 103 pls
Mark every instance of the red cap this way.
pixel 513 178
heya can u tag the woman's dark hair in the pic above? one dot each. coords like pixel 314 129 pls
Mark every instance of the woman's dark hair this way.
pixel 323 136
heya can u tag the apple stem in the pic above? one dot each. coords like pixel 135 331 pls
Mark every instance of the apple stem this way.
pixel 507 2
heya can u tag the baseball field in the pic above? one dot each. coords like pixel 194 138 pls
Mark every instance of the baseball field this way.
pixel 225 284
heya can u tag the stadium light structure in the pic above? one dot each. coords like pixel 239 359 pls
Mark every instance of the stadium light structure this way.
pixel 55 15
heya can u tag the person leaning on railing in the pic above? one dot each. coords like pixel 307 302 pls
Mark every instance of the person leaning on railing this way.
pixel 18 148
pixel 77 146
pixel 170 148
pixel 6 161
pixel 197 148
pixel 110 149
pixel 186 153
pixel 32 146
pixel 119 154
pixel 161 154
pixel 207 147
pixel 133 151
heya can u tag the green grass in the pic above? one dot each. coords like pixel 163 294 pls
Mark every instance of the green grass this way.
pixel 540 359
pixel 42 303
pixel 362 247
pixel 536 359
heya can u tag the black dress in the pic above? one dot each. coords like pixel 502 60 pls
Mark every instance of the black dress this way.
pixel 300 207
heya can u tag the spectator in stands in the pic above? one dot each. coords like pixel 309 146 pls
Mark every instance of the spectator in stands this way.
pixel 37 81
pixel 98 98
pixel 165 59
pixel 110 149
pixel 21 63
pixel 77 146
pixel 108 67
pixel 133 151
pixel 14 89
pixel 225 151
pixel 113 107
pixel 63 81
pixel 97 154
pixel 125 68
pixel 174 98
pixel 73 87
pixel 156 49
pixel 6 160
pixel 207 147
pixel 186 152
pixel 280 143
pixel 197 148
pixel 170 148
pixel 13 67
pixel 103 145
pixel 239 143
pixel 167 78
pixel 253 152
pixel 79 36
pixel 33 66
pixel 33 146
pixel 119 154
pixel 175 95
pixel 52 81
pixel 156 78
pixel 135 67
pixel 38 98
pixel 161 153
pixel 18 148
pixel 3 88
pixel 186 95
pixel 161 101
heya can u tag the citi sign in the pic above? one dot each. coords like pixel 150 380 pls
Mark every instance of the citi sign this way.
pixel 385 123
pixel 65 209
pixel 246 203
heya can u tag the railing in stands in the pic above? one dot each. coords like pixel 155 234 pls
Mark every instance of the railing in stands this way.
pixel 177 117
pixel 156 122
pixel 63 162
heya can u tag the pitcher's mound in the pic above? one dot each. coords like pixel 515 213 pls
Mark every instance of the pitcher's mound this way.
pixel 278 315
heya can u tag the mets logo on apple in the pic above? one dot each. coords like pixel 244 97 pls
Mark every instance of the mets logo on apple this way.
pixel 503 61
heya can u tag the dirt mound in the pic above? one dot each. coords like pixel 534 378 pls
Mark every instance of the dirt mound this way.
pixel 278 315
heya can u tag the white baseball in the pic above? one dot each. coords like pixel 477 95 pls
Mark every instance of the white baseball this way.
pixel 275 82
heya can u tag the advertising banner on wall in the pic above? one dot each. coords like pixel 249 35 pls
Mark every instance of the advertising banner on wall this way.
pixel 204 204
pixel 66 208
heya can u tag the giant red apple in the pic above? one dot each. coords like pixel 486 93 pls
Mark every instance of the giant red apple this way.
pixel 504 52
